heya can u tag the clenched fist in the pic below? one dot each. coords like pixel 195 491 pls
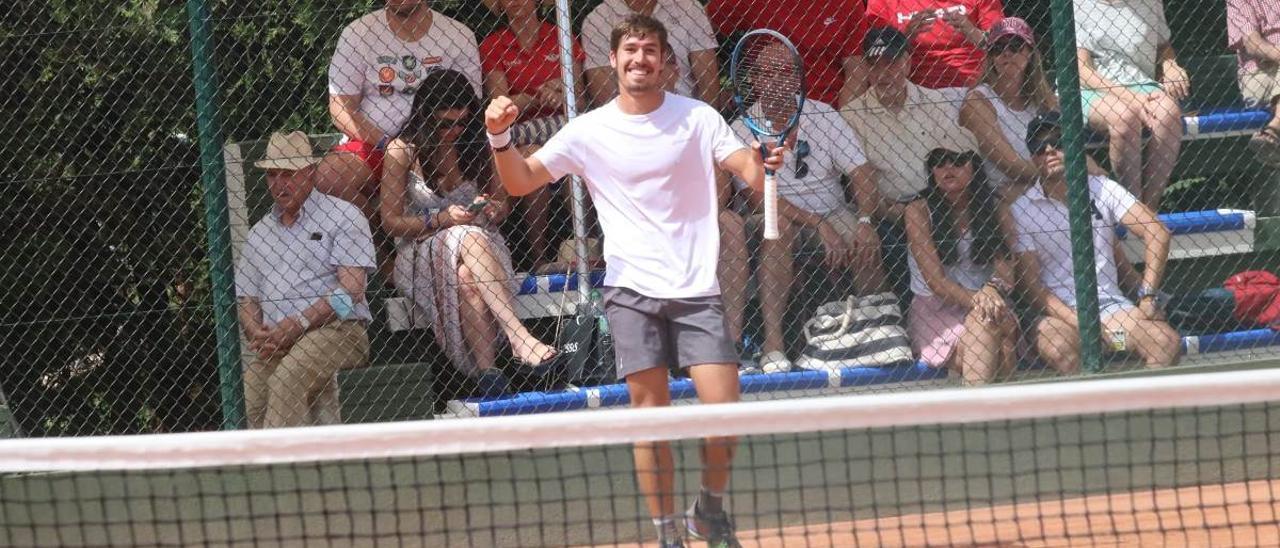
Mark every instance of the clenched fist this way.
pixel 502 112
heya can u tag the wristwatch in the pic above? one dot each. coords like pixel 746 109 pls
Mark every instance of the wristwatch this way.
pixel 1144 292
pixel 864 220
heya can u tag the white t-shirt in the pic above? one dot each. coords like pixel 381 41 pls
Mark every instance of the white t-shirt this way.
pixel 688 30
pixel 1043 229
pixel 1123 36
pixel 1013 126
pixel 897 143
pixel 384 70
pixel 652 179
pixel 833 151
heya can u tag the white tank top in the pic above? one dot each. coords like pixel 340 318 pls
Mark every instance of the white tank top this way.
pixel 1013 124
pixel 964 272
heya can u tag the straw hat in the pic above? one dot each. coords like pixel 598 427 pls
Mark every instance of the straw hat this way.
pixel 290 151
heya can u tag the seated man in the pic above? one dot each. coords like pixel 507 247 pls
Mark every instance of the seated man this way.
pixel 899 122
pixel 813 211
pixel 1044 252
pixel 1253 31
pixel 301 284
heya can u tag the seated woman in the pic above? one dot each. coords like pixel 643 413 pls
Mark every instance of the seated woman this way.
pixel 1130 80
pixel 522 61
pixel 1011 91
pixel 442 203
pixel 960 262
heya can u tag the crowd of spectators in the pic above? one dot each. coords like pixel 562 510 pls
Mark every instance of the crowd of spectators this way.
pixel 927 168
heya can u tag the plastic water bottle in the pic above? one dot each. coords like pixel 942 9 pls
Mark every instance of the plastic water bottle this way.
pixel 597 306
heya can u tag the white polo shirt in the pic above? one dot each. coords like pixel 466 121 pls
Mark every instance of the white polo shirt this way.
pixel 385 71
pixel 833 150
pixel 688 30
pixel 1043 229
pixel 652 179
pixel 288 268
pixel 897 143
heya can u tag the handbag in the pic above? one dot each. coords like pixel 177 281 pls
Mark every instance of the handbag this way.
pixel 855 332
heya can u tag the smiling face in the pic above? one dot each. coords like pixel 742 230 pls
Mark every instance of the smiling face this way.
pixel 638 61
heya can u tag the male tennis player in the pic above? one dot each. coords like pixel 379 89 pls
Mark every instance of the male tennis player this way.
pixel 649 158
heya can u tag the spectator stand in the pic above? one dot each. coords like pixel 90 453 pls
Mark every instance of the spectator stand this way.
pixel 1241 232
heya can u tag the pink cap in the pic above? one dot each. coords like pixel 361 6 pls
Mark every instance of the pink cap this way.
pixel 1011 26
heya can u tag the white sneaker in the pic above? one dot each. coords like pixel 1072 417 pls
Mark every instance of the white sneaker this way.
pixel 775 361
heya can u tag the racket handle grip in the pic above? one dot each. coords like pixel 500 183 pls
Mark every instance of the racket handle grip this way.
pixel 770 206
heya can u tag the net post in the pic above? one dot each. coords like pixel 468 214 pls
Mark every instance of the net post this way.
pixel 1068 78
pixel 217 223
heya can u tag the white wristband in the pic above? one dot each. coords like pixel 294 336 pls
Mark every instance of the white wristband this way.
pixel 500 140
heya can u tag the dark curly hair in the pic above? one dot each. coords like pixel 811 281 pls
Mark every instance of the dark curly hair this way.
pixel 984 224
pixel 444 90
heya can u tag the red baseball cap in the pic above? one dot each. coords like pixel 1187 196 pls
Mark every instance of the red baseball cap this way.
pixel 1011 26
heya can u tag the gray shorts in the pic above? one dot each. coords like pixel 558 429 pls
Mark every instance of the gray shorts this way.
pixel 649 332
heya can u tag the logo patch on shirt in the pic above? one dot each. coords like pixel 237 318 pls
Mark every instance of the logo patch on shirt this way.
pixel 386 74
pixel 410 62
pixel 432 60
pixel 386 60
pixel 829 21
pixel 409 90
pixel 386 89
pixel 409 77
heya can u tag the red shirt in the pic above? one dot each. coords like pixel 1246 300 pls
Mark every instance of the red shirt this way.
pixel 824 31
pixel 526 71
pixel 941 56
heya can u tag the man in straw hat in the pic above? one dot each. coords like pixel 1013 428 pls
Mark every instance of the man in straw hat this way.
pixel 301 283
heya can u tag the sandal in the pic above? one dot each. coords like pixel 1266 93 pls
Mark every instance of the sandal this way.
pixel 545 376
pixel 1265 144
pixel 775 362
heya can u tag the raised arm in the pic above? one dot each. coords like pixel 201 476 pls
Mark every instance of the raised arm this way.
pixel 519 175
pixel 979 117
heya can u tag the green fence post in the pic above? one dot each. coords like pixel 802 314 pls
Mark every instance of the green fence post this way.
pixel 1068 77
pixel 217 224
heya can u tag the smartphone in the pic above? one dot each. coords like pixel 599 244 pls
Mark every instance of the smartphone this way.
pixel 477 205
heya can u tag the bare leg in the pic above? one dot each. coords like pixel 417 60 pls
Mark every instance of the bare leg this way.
pixel 1059 344
pixel 478 328
pixel 979 350
pixel 655 467
pixel 733 272
pixel 1122 123
pixel 477 255
pixel 716 383
pixel 344 175
pixel 1155 341
pixel 1164 117
pixel 776 277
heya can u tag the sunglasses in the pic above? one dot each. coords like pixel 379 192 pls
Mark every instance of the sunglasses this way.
pixel 1041 145
pixel 802 151
pixel 943 157
pixel 1011 45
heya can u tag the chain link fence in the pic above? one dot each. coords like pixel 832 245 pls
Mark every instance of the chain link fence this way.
pixel 231 214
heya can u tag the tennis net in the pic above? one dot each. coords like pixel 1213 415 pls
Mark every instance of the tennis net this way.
pixel 1169 460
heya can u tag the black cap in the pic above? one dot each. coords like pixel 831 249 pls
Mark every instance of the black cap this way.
pixel 1045 121
pixel 884 41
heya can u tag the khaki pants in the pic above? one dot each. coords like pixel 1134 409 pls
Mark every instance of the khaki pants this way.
pixel 299 388
pixel 1258 88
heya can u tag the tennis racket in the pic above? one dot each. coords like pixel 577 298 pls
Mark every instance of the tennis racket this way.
pixel 768 89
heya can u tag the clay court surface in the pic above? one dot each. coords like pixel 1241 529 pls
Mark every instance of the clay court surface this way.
pixel 1237 514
